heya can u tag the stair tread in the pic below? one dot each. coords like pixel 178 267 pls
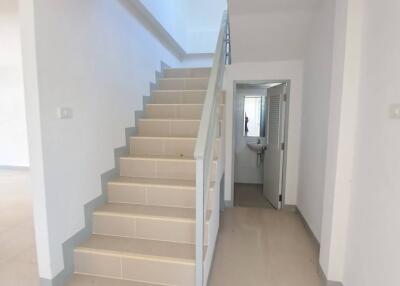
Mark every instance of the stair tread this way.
pixel 185 78
pixel 154 182
pixel 89 280
pixel 182 252
pixel 180 90
pixel 188 68
pixel 159 157
pixel 167 119
pixel 171 104
pixel 163 212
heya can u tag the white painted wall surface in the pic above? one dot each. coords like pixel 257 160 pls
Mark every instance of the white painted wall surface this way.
pixel 193 24
pixel 342 134
pixel 13 133
pixel 96 58
pixel 373 252
pixel 203 23
pixel 280 70
pixel 171 15
pixel 315 116
pixel 270 30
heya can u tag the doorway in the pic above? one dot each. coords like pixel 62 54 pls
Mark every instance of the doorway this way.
pixel 260 122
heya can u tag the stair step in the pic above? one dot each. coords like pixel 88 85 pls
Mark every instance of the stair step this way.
pixel 200 83
pixel 163 167
pixel 187 72
pixel 147 222
pixel 168 127
pixel 137 259
pixel 177 111
pixel 89 280
pixel 171 146
pixel 154 192
pixel 178 96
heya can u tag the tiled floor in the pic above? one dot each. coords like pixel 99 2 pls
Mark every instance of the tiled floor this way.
pixel 250 195
pixel 17 247
pixel 264 247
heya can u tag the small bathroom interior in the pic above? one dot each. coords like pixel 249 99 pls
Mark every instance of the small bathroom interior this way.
pixel 260 135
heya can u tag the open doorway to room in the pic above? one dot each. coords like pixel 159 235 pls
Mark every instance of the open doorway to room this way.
pixel 260 115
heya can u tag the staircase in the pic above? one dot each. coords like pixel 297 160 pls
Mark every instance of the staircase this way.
pixel 145 234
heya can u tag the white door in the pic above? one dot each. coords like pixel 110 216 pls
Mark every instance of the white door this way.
pixel 273 160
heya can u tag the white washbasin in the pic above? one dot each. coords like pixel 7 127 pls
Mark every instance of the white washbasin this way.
pixel 257 147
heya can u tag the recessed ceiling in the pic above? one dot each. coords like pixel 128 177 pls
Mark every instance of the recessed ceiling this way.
pixel 270 6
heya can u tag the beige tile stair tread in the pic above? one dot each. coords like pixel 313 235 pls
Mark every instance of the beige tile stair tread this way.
pixel 171 104
pixel 168 119
pixel 185 78
pixel 88 280
pixel 148 211
pixel 180 90
pixel 158 157
pixel 154 182
pixel 135 247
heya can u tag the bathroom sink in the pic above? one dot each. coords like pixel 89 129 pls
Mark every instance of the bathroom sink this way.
pixel 257 147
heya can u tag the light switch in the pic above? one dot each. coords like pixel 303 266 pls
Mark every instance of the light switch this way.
pixel 64 113
pixel 394 112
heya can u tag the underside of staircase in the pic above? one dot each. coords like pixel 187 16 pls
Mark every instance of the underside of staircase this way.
pixel 145 234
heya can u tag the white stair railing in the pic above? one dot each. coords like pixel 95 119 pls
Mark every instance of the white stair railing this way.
pixel 204 150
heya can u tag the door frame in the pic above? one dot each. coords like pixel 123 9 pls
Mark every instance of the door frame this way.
pixel 286 124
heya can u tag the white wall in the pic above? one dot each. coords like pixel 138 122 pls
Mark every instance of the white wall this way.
pixel 193 24
pixel 342 132
pixel 373 252
pixel 203 23
pixel 171 15
pixel 315 115
pixel 96 58
pixel 280 70
pixel 13 142
pixel 270 30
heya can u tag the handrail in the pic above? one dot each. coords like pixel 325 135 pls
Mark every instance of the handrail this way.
pixel 206 136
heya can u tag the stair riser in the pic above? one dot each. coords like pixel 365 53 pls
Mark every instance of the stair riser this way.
pixel 183 84
pixel 153 195
pixel 185 73
pixel 176 98
pixel 160 97
pixel 146 228
pixel 165 128
pixel 165 146
pixel 162 169
pixel 174 111
pixel 135 269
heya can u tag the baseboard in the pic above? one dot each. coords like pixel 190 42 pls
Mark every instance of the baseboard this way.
pixel 228 204
pixel 333 283
pixel 84 234
pixel 321 273
pixel 308 228
pixel 290 208
pixel 326 282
